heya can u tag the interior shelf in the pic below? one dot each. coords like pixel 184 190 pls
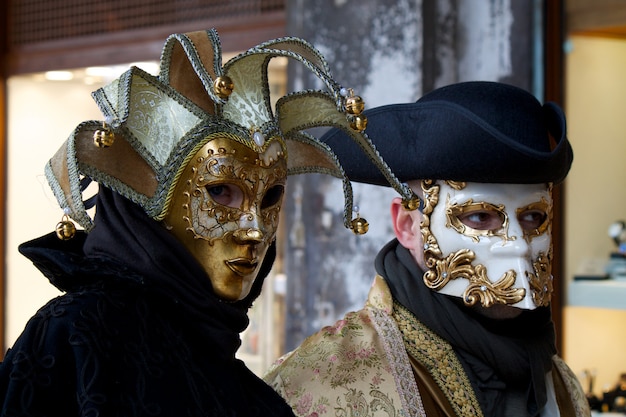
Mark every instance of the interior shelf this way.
pixel 606 293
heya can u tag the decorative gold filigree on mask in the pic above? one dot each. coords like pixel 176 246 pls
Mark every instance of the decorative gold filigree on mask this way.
pixel 431 198
pixel 459 265
pixel 490 293
pixel 217 167
pixel 541 282
pixel 455 265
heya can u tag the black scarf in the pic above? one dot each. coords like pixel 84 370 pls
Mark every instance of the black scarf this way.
pixel 498 355
pixel 128 246
pixel 123 233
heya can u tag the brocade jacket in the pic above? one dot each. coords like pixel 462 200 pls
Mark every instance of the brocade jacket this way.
pixel 381 361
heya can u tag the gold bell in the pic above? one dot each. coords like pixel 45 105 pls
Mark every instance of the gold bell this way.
pixel 360 226
pixel 358 123
pixel 354 104
pixel 103 138
pixel 223 86
pixel 65 229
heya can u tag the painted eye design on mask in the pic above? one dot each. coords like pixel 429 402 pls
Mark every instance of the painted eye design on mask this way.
pixel 477 219
pixel 226 194
pixel 534 218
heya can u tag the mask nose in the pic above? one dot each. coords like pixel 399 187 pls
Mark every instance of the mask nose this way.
pixel 514 244
pixel 249 232
pixel 248 236
pixel 514 254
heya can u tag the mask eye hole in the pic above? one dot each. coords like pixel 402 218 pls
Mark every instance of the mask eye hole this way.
pixel 483 219
pixel 272 197
pixel 477 219
pixel 534 218
pixel 228 195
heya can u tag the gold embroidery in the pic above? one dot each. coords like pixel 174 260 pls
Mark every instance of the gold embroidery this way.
pixel 437 356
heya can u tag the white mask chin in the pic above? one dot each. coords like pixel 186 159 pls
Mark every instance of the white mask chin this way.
pixel 489 243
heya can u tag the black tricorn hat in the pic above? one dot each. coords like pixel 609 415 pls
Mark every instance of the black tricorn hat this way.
pixel 476 131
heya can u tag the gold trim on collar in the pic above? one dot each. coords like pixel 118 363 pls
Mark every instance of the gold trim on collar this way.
pixel 437 356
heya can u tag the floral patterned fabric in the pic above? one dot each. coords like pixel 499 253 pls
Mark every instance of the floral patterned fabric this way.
pixel 360 367
pixel 348 370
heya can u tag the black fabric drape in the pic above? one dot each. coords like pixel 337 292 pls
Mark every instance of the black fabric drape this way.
pixel 138 332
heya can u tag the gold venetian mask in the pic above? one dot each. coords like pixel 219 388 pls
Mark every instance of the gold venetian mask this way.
pixel 225 210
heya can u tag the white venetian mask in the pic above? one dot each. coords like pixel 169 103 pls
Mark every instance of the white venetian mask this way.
pixel 489 243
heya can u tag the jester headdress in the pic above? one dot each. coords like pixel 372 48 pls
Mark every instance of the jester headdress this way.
pixel 152 125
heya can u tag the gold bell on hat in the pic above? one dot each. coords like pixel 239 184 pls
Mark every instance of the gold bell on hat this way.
pixel 354 104
pixel 103 138
pixel 359 225
pixel 358 123
pixel 65 228
pixel 223 86
pixel 354 107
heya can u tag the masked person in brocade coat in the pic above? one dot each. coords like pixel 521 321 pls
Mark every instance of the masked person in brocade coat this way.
pixel 458 319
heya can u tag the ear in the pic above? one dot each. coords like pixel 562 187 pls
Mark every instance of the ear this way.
pixel 406 225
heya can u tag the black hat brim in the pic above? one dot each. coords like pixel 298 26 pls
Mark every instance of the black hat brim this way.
pixel 441 139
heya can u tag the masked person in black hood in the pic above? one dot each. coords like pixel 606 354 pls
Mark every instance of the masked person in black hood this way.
pixel 191 167
pixel 458 319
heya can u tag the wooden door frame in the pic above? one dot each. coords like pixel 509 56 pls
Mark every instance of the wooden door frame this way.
pixel 3 164
pixel 554 30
